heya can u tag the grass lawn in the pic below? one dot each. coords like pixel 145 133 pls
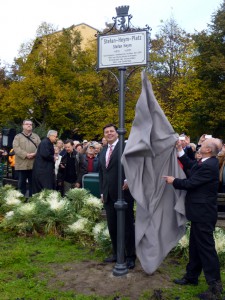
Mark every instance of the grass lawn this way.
pixel 22 259
pixel 39 260
pixel 25 264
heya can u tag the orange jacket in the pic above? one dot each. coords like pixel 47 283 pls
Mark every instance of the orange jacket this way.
pixel 12 159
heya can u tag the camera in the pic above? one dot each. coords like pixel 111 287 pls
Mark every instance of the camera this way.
pixel 208 136
pixel 181 138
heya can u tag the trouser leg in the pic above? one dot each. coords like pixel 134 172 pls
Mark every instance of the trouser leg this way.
pixel 194 266
pixel 130 230
pixel 22 177
pixel 29 177
pixel 205 252
pixel 112 223
pixel 67 186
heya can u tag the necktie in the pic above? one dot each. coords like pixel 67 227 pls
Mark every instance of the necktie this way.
pixel 200 162
pixel 109 155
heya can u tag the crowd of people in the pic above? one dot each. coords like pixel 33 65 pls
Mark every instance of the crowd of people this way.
pixel 52 163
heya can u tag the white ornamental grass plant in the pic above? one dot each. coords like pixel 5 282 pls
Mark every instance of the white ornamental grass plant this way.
pixel 76 216
pixel 92 208
pixel 11 201
pixel 80 231
pixel 81 225
pixel 20 220
pixel 219 237
pixel 12 198
pixel 99 227
pixel 26 210
pixel 9 214
pixel 55 212
pixel 77 198
pixel 3 191
pixel 102 237
pixel 56 203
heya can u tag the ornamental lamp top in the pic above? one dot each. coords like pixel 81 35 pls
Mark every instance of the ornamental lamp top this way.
pixel 122 11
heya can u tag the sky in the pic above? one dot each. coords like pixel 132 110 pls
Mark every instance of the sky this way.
pixel 19 19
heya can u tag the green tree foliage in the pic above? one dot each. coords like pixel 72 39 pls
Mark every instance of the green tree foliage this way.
pixel 172 73
pixel 55 82
pixel 50 81
pixel 208 113
pixel 4 81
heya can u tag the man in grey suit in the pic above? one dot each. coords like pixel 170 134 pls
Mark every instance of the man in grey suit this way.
pixel 201 210
pixel 108 176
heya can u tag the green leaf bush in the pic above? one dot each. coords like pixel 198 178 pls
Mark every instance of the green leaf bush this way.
pixel 75 216
pixel 219 236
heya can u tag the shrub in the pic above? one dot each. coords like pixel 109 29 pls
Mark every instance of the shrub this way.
pixel 73 216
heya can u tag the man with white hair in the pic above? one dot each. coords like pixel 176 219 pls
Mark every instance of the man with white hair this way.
pixel 201 210
pixel 44 165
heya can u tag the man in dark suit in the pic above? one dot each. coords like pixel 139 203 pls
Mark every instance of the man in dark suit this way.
pixel 108 176
pixel 201 210
pixel 44 164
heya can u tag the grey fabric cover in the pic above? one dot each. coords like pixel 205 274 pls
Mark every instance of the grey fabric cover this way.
pixel 149 154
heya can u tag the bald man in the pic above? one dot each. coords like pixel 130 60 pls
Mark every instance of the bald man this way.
pixel 201 210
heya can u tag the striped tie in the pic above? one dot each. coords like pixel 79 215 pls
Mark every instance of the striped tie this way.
pixel 109 155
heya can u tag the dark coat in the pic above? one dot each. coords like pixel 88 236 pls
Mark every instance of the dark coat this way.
pixel 202 187
pixel 108 177
pixel 95 163
pixel 44 166
pixel 190 153
pixel 79 167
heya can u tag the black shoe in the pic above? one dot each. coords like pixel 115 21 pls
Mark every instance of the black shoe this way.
pixel 213 293
pixel 110 259
pixel 185 281
pixel 130 264
pixel 208 295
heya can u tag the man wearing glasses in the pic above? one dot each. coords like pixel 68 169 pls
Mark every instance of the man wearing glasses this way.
pixel 25 146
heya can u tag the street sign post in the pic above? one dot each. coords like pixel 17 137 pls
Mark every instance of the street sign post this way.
pixel 128 47
pixel 124 49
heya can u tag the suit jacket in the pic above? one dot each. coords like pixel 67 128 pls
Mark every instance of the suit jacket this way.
pixel 108 177
pixel 190 153
pixel 202 188
pixel 80 167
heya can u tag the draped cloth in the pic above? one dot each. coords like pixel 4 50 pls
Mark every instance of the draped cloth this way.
pixel 149 154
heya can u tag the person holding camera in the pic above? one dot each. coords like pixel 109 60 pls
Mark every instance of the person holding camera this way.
pixel 185 142
pixel 202 139
pixel 71 168
pixel 201 211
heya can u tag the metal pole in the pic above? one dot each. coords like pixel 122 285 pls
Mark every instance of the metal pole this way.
pixel 120 268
